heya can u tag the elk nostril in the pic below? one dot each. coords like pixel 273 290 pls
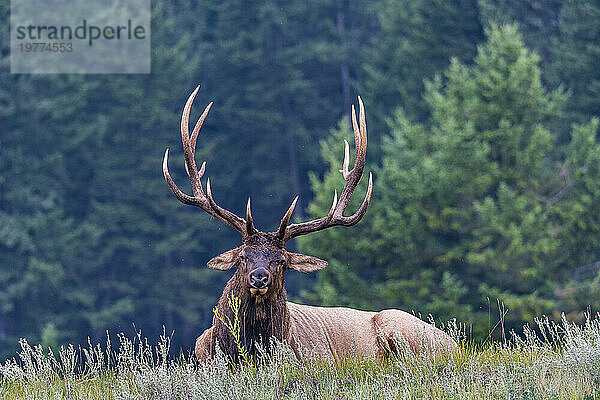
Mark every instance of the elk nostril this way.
pixel 259 279
pixel 258 282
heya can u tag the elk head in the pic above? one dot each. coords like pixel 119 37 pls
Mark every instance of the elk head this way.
pixel 262 259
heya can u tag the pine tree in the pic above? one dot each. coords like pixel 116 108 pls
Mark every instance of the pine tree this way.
pixel 577 204
pixel 461 209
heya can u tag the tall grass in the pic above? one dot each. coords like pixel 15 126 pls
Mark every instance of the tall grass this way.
pixel 552 361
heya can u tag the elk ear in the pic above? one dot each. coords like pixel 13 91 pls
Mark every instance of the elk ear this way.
pixel 225 261
pixel 302 263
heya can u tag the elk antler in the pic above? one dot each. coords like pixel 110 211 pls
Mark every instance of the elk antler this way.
pixel 335 216
pixel 204 201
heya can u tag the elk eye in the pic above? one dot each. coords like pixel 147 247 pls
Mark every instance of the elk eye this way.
pixel 243 258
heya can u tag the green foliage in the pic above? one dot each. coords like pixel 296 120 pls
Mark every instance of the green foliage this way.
pixel 465 204
pixel 581 194
pixel 577 205
pixel 233 324
pixel 482 188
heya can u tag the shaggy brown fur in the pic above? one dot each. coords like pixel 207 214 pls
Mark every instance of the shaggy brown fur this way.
pixel 261 319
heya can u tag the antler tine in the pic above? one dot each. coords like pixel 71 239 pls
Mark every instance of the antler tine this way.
pixel 188 153
pixel 198 126
pixel 357 216
pixel 363 129
pixel 199 199
pixel 355 129
pixel 333 205
pixel 286 219
pixel 249 222
pixel 346 162
pixel 353 177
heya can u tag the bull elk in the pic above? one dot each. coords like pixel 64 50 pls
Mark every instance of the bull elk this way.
pixel 262 260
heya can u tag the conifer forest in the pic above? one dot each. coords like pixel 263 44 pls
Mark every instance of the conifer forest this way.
pixel 484 145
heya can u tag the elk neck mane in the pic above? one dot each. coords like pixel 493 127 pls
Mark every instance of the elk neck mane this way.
pixel 261 317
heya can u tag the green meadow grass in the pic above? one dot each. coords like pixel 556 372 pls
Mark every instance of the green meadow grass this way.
pixel 552 361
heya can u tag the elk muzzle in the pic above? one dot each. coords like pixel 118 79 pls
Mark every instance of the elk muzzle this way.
pixel 259 280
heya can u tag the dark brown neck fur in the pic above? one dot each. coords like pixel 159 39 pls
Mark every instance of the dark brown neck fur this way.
pixel 261 318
